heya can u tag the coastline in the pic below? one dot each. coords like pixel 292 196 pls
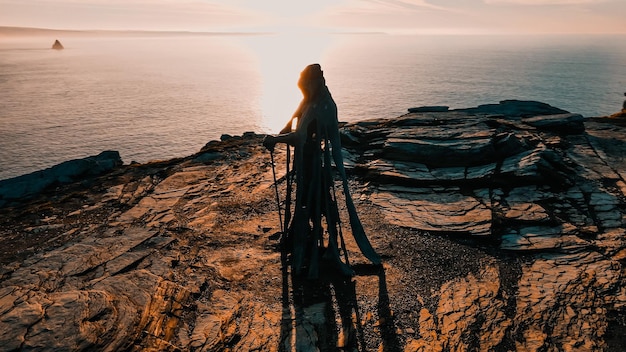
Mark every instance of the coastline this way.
pixel 137 125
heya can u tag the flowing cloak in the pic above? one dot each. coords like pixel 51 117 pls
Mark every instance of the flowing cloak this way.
pixel 317 141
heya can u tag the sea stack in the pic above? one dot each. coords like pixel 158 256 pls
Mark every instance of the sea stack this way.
pixel 57 45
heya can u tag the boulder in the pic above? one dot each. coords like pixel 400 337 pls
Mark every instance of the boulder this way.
pixel 434 108
pixel 515 109
pixel 68 171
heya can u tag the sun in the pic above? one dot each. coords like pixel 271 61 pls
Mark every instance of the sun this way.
pixel 280 58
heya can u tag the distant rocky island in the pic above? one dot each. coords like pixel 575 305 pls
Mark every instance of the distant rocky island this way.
pixel 502 228
pixel 57 45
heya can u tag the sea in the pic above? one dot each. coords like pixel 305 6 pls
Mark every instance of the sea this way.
pixel 161 96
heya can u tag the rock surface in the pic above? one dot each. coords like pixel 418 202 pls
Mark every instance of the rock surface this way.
pixel 501 228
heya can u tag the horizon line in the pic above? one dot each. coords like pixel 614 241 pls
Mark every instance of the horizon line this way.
pixel 26 30
pixel 17 30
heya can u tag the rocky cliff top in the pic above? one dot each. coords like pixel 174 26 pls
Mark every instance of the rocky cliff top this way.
pixel 501 228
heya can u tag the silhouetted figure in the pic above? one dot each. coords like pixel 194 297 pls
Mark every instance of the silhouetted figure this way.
pixel 57 45
pixel 317 142
pixel 624 105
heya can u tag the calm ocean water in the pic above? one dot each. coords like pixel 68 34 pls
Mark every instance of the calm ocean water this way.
pixel 162 97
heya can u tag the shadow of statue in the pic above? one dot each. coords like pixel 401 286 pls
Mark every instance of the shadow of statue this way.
pixel 319 314
pixel 386 321
pixel 324 314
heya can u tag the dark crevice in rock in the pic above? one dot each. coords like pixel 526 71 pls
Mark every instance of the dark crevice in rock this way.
pixel 614 337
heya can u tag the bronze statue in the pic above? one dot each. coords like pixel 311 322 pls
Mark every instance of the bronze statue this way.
pixel 316 142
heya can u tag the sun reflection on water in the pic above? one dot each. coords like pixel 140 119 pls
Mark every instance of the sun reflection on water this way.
pixel 281 58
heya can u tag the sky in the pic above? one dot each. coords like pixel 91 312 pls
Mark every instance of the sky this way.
pixel 390 16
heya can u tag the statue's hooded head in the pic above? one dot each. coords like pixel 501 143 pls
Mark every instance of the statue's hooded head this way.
pixel 311 80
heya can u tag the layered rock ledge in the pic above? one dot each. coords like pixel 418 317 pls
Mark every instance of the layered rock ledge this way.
pixel 501 228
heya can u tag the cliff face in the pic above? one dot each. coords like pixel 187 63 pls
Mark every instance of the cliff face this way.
pixel 501 228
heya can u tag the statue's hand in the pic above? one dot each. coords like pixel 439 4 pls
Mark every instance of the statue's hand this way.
pixel 269 142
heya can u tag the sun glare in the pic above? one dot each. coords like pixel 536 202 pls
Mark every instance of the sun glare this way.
pixel 281 58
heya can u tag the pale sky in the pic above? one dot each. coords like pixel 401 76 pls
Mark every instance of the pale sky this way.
pixel 392 16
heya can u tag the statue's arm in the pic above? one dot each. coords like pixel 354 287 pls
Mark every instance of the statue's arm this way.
pixel 296 115
pixel 287 127
pixel 291 138
pixel 288 138
pixel 287 135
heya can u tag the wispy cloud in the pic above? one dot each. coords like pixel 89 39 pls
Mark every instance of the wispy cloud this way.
pixel 125 14
pixel 536 16
pixel 546 2
pixel 409 4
